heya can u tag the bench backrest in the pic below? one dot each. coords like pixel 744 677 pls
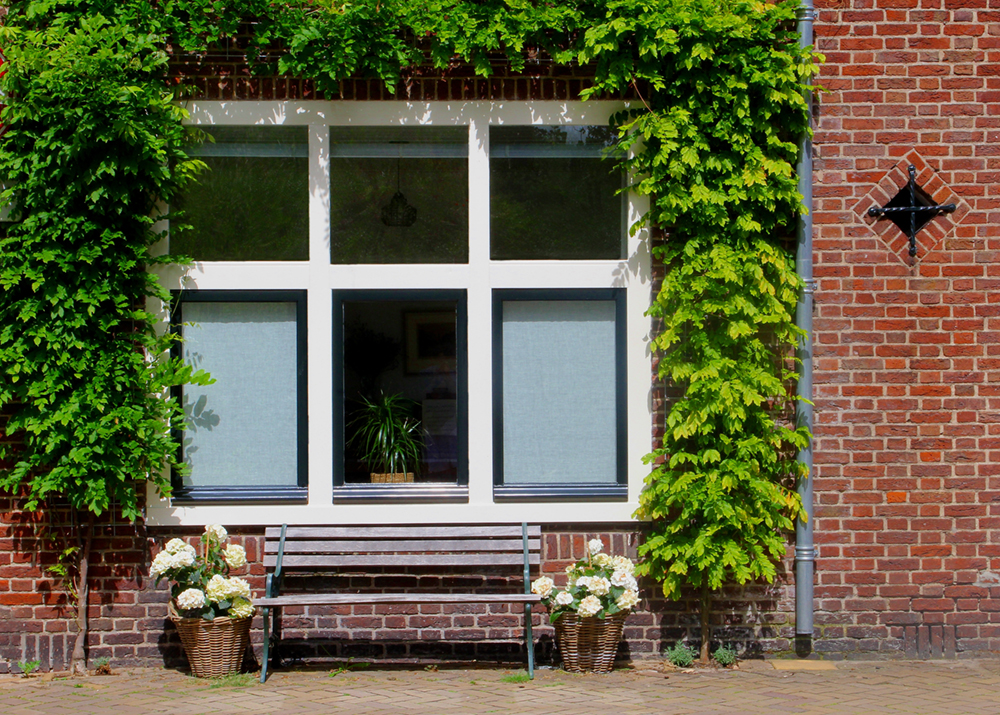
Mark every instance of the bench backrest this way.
pixel 319 548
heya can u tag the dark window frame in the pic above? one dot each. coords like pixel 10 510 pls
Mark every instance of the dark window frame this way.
pixel 282 494
pixel 563 492
pixel 428 492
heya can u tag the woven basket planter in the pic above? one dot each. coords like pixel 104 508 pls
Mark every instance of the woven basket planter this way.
pixel 213 648
pixel 589 644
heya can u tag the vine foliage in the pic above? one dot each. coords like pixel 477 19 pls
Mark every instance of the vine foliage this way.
pixel 95 145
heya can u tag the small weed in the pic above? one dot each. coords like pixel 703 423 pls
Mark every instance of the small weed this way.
pixel 102 666
pixel 724 656
pixel 518 677
pixel 681 655
pixel 348 667
pixel 28 667
pixel 234 680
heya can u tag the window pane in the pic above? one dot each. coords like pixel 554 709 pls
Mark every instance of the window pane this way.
pixel 559 392
pixel 399 195
pixel 253 202
pixel 552 195
pixel 405 351
pixel 243 429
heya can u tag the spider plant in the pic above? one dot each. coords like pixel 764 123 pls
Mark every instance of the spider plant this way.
pixel 387 435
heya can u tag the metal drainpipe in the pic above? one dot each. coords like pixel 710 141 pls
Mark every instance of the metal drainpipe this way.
pixel 805 551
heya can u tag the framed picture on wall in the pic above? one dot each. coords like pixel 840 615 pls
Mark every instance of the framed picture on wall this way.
pixel 430 342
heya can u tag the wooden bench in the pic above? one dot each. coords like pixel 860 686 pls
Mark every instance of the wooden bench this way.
pixel 388 550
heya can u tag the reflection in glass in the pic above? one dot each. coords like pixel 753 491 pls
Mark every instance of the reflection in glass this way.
pixel 399 195
pixel 554 194
pixel 402 351
pixel 253 202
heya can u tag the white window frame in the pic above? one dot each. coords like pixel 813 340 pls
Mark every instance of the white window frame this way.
pixel 479 277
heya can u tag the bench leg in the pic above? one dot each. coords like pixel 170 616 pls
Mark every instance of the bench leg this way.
pixel 267 644
pixel 529 641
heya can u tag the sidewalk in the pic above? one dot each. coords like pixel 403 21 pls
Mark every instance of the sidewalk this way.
pixel 927 688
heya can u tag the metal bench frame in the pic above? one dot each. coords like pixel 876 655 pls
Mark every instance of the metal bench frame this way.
pixel 338 547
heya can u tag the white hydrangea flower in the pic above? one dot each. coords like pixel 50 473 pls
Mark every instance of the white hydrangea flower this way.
pixel 217 588
pixel 590 606
pixel 217 531
pixel 238 588
pixel 161 564
pixel 175 545
pixel 543 586
pixel 623 564
pixel 571 568
pixel 241 608
pixel 603 560
pixel 583 582
pixel 627 600
pixel 191 598
pixel 595 546
pixel 564 598
pixel 235 556
pixel 625 580
pixel 183 559
pixel 599 586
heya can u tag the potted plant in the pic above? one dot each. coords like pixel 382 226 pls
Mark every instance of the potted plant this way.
pixel 388 437
pixel 211 609
pixel 589 613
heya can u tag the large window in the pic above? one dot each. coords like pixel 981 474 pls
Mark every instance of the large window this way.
pixel 559 414
pixel 246 435
pixel 459 274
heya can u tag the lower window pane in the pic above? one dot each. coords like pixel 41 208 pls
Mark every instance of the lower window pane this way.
pixel 559 392
pixel 401 379
pixel 243 429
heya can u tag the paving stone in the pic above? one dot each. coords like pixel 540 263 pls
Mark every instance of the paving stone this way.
pixel 928 688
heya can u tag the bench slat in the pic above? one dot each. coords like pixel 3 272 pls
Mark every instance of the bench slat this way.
pixel 328 599
pixel 449 545
pixel 370 533
pixel 377 560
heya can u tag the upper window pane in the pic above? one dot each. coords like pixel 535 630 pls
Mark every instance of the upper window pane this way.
pixel 553 195
pixel 399 195
pixel 253 202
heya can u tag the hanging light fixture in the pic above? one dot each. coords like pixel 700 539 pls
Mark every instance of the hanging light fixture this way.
pixel 398 212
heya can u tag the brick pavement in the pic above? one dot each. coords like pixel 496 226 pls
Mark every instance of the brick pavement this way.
pixel 928 688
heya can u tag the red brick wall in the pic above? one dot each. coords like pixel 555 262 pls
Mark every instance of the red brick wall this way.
pixel 907 375
pixel 908 352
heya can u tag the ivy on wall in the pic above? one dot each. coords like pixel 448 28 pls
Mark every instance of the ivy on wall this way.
pixel 95 142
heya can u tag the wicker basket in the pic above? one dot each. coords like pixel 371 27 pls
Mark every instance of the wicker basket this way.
pixel 589 644
pixel 213 648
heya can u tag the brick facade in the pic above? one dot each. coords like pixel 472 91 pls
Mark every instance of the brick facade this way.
pixel 907 482
pixel 908 352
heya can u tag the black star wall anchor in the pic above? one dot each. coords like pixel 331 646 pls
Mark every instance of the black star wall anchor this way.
pixel 910 209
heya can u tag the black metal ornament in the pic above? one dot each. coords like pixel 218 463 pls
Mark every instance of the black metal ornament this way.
pixel 913 209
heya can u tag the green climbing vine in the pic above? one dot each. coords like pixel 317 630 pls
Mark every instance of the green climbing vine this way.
pixel 94 146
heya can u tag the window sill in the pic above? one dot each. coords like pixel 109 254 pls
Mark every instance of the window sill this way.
pixel 560 492
pixel 241 495
pixel 401 493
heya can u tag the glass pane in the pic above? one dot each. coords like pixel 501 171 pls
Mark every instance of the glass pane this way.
pixel 559 385
pixel 401 356
pixel 243 429
pixel 399 195
pixel 253 202
pixel 553 195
